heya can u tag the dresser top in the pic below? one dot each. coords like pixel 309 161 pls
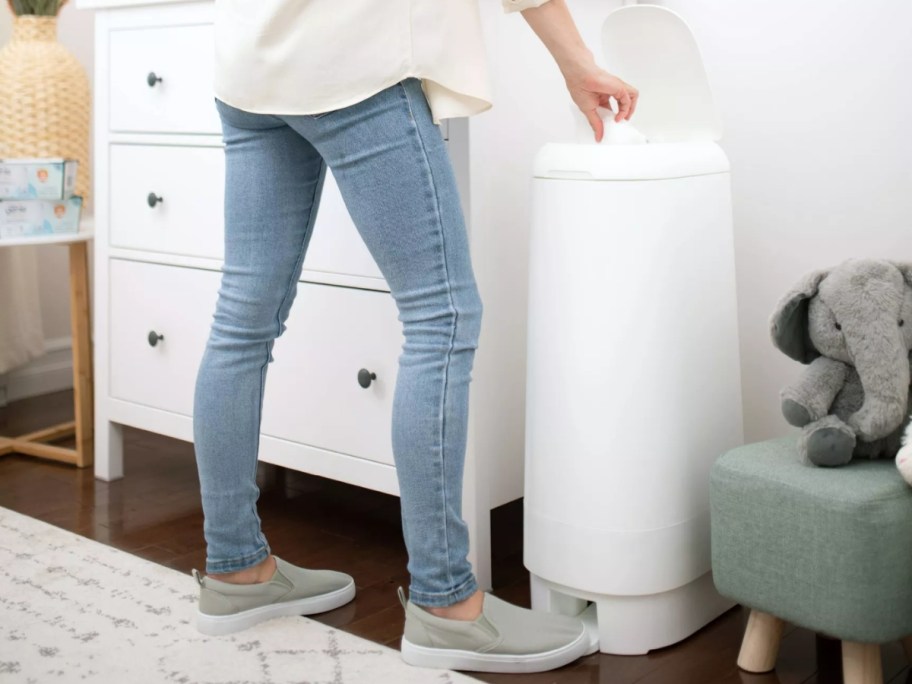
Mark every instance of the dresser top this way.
pixel 106 4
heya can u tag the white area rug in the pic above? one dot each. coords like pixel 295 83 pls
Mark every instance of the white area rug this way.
pixel 74 610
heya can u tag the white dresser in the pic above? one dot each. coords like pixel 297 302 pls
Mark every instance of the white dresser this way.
pixel 159 175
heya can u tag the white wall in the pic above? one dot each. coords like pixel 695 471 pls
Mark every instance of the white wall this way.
pixel 816 102
pixel 76 32
pixel 816 105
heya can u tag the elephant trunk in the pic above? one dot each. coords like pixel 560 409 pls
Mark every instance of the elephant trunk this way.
pixel 882 362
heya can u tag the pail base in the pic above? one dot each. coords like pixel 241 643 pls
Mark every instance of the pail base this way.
pixel 635 625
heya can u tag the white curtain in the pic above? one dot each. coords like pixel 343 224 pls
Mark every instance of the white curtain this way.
pixel 21 331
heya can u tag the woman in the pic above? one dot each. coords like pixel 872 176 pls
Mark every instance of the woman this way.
pixel 359 86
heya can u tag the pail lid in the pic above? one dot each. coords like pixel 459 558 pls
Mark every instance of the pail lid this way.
pixel 567 161
pixel 653 49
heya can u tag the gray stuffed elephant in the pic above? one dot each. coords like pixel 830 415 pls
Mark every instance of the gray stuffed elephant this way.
pixel 852 326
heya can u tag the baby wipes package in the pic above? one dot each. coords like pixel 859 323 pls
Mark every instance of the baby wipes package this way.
pixel 26 218
pixel 49 179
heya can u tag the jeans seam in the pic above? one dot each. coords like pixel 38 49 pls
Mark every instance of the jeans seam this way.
pixel 291 285
pixel 446 366
pixel 310 222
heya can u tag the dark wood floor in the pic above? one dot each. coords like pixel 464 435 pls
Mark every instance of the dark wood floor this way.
pixel 154 512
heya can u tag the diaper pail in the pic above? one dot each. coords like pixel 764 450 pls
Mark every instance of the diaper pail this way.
pixel 633 381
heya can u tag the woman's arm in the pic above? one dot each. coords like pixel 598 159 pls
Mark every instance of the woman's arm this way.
pixel 590 86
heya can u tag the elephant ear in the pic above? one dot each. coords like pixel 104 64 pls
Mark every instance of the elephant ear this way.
pixel 906 269
pixel 789 324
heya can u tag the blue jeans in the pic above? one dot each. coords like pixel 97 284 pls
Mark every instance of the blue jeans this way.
pixel 392 167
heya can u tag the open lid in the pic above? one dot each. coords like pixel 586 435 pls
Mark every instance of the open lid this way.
pixel 653 49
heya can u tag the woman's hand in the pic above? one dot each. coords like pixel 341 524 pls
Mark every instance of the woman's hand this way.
pixel 591 87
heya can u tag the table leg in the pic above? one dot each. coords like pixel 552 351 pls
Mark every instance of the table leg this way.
pixel 80 326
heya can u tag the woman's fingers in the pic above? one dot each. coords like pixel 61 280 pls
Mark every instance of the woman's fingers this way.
pixel 633 104
pixel 624 94
pixel 597 89
pixel 623 100
pixel 634 98
pixel 605 103
pixel 598 126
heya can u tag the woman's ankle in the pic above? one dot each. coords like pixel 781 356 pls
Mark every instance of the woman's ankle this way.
pixel 262 572
pixel 468 609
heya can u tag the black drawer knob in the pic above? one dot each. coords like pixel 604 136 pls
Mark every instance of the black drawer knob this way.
pixel 154 337
pixel 152 79
pixel 154 199
pixel 365 378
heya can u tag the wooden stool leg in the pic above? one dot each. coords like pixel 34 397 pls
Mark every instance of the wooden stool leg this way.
pixel 82 353
pixel 907 644
pixel 861 663
pixel 760 646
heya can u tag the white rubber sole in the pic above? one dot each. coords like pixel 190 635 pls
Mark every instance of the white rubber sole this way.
pixel 219 625
pixel 452 659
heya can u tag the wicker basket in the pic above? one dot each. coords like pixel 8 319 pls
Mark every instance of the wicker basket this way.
pixel 45 107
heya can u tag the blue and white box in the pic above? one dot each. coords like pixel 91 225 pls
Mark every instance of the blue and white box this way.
pixel 28 218
pixel 47 179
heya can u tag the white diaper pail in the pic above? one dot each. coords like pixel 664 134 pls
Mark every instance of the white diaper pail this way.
pixel 633 380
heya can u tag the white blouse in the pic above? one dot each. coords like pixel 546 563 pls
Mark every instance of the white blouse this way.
pixel 311 56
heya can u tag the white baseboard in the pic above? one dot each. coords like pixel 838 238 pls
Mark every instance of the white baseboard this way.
pixel 51 372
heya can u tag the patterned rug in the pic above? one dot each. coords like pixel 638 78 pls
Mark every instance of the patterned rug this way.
pixel 75 610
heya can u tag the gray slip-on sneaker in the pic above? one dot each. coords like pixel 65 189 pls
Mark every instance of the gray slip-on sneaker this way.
pixel 504 638
pixel 225 608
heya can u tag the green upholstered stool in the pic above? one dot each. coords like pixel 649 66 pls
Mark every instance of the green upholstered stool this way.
pixel 827 549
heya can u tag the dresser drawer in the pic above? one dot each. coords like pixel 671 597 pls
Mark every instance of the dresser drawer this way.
pixel 313 393
pixel 151 299
pixel 189 217
pixel 168 199
pixel 183 100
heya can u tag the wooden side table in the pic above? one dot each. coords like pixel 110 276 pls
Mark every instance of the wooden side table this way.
pixel 34 443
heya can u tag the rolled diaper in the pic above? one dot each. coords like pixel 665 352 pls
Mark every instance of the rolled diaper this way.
pixel 616 133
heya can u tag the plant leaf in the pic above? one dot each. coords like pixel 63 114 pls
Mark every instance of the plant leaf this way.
pixel 47 8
